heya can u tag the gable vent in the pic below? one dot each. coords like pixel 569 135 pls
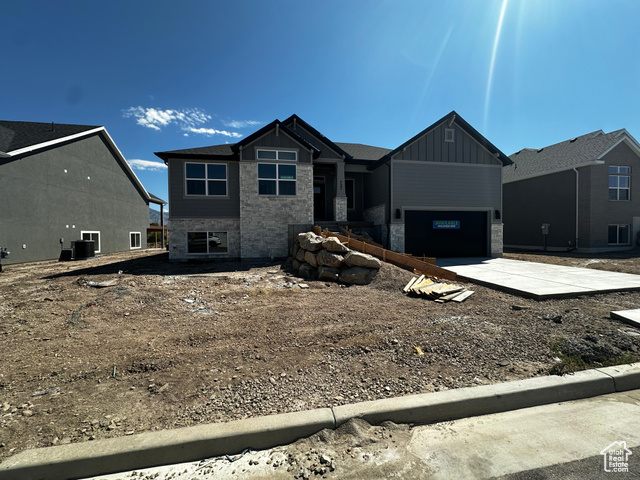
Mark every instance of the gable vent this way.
pixel 449 134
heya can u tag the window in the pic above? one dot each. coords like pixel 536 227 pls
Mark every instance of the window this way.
pixel 208 179
pixel 285 155
pixel 95 236
pixel 350 185
pixel 449 134
pixel 619 183
pixel 619 234
pixel 275 179
pixel 134 240
pixel 207 242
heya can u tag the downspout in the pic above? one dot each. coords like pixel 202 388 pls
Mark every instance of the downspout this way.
pixel 577 208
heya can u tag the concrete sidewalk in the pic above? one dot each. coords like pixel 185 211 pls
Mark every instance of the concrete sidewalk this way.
pixel 193 443
pixel 562 440
pixel 539 280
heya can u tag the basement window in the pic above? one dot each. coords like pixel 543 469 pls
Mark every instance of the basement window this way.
pixel 207 242
pixel 619 234
pixel 135 240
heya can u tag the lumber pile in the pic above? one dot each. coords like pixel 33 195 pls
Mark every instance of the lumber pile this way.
pixel 432 289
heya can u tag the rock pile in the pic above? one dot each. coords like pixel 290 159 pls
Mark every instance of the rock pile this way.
pixel 327 259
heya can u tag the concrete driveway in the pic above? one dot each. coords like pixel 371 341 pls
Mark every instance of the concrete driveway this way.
pixel 539 280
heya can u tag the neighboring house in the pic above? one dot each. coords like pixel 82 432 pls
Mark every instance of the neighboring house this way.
pixel 581 190
pixel 437 194
pixel 60 183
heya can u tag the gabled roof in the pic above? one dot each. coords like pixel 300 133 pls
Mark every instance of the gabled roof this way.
pixel 295 118
pixel 21 139
pixel 451 117
pixel 19 135
pixel 267 128
pixel 577 152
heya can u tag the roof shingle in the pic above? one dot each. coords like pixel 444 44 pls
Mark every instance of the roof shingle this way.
pixel 16 135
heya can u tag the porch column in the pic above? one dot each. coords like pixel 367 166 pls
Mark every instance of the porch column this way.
pixel 340 200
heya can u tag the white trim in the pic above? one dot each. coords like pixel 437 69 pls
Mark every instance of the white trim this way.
pixel 139 240
pixel 626 138
pixel 550 172
pixel 91 232
pixel 100 130
pixel 277 150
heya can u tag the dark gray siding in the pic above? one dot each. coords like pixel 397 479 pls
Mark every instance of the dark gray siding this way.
pixel 432 148
pixel 605 212
pixel 355 214
pixel 530 203
pixel 441 185
pixel 376 187
pixel 42 204
pixel 183 206
pixel 271 140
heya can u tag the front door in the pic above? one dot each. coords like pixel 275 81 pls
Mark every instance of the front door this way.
pixel 319 205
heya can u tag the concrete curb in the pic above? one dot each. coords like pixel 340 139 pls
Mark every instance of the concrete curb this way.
pixel 193 443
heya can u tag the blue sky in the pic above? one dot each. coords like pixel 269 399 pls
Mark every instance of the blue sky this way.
pixel 165 75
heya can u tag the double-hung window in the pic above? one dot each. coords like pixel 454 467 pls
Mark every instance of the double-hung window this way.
pixel 208 179
pixel 135 240
pixel 277 178
pixel 619 183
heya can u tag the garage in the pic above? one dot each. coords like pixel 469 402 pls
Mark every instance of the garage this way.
pixel 446 233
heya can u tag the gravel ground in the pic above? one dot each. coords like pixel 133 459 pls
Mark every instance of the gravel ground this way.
pixel 170 345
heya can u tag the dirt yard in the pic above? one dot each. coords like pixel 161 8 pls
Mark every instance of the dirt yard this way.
pixel 170 345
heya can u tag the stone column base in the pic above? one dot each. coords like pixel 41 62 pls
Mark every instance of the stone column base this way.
pixel 340 209
pixel 497 245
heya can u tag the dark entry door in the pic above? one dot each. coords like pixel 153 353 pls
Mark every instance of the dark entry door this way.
pixel 319 202
pixel 446 234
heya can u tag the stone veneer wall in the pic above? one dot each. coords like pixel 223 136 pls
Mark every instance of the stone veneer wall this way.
pixel 496 239
pixel 340 208
pixel 377 215
pixel 178 228
pixel 264 220
pixel 396 232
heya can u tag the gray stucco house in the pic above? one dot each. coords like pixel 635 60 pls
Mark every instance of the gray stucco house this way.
pixel 60 183
pixel 577 194
pixel 439 193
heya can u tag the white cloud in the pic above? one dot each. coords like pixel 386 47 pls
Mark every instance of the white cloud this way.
pixel 137 164
pixel 188 120
pixel 212 131
pixel 240 123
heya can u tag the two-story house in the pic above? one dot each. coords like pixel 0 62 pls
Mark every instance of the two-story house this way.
pixel 60 183
pixel 576 194
pixel 437 194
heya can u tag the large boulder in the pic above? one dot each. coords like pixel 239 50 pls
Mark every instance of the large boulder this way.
pixel 311 258
pixel 329 259
pixel 334 245
pixel 357 259
pixel 358 275
pixel 306 271
pixel 295 264
pixel 310 241
pixel 328 274
pixel 300 254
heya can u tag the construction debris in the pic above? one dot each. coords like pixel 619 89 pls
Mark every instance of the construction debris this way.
pixel 433 289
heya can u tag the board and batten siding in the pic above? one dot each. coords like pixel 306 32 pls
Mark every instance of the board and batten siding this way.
pixel 325 151
pixel 432 147
pixel 440 185
pixel 271 140
pixel 183 206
